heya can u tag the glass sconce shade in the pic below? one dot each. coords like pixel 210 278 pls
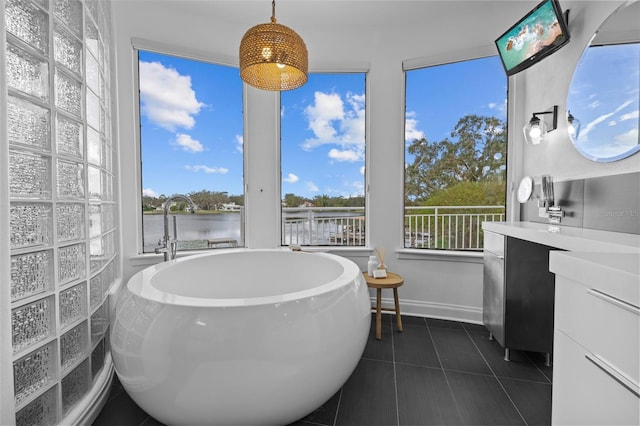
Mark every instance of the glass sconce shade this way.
pixel 273 57
pixel 536 129
pixel 573 127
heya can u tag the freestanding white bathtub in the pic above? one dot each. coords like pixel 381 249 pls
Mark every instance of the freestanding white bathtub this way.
pixel 240 336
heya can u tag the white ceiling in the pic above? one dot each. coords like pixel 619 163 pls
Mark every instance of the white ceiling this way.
pixel 361 15
pixel 340 30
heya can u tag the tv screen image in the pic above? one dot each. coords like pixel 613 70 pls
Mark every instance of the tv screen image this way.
pixel 540 33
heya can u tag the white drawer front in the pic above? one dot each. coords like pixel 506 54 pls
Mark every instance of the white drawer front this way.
pixel 607 327
pixel 615 335
pixel 584 393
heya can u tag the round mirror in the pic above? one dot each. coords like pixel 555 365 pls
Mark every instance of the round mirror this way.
pixel 604 97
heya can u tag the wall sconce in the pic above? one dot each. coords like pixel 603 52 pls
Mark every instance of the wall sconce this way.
pixel 574 126
pixel 536 129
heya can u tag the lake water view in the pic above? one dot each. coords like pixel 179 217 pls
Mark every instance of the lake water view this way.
pixel 194 230
pixel 303 227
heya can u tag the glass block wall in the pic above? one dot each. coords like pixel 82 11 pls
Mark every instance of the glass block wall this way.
pixel 63 219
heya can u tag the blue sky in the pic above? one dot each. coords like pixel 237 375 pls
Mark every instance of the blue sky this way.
pixel 323 135
pixel 604 96
pixel 191 123
pixel 191 126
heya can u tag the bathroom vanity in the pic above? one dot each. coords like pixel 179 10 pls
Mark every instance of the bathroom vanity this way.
pixel 518 293
pixel 597 338
pixel 595 316
pixel 519 289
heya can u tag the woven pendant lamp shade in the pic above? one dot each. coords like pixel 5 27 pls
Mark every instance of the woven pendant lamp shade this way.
pixel 273 57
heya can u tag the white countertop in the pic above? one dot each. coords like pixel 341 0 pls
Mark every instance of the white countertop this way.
pixel 617 274
pixel 568 237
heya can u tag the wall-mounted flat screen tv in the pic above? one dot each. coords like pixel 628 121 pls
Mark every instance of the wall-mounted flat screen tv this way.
pixel 537 35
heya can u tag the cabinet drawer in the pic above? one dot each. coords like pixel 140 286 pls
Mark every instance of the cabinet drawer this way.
pixel 584 393
pixel 494 243
pixel 607 327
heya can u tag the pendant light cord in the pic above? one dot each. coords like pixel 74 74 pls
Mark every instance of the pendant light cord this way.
pixel 273 12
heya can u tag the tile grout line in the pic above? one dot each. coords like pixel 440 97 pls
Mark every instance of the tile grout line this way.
pixel 495 376
pixel 145 421
pixel 395 374
pixel 335 417
pixel 540 370
pixel 444 372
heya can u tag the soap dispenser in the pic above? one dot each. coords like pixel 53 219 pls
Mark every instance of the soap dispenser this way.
pixel 372 264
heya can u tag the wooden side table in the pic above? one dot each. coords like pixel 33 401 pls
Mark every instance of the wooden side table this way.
pixel 391 281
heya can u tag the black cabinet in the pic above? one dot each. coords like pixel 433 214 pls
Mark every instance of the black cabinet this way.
pixel 518 294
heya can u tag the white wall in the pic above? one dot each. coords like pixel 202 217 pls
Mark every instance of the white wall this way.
pixel 547 83
pixel 440 285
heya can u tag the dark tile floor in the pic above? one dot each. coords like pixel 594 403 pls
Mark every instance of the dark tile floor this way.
pixel 433 373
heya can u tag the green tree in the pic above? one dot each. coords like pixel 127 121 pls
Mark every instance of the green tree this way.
pixel 474 152
pixel 237 199
pixel 292 200
pixel 209 200
pixel 322 201
pixel 357 201
pixel 489 193
pixel 218 199
pixel 150 203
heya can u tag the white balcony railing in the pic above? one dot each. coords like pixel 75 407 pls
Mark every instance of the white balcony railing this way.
pixel 427 227
pixel 448 227
pixel 321 226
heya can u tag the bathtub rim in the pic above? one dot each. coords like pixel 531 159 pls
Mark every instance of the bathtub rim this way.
pixel 140 283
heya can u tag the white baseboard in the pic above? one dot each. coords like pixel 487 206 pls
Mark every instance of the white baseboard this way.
pixel 470 314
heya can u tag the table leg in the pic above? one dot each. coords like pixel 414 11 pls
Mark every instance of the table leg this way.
pixel 395 298
pixel 379 313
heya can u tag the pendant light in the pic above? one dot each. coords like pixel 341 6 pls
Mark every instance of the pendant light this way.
pixel 273 56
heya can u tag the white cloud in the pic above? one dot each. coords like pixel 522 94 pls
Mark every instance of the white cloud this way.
pixel 358 185
pixel 345 155
pixel 239 143
pixel 630 115
pixel 593 105
pixel 291 178
pixel 623 142
pixel 627 140
pixel 166 97
pixel 148 192
pixel 411 131
pixel 312 187
pixel 624 105
pixel 207 169
pixel 362 170
pixel 500 108
pixel 593 123
pixel 336 121
pixel 352 127
pixel 187 143
pixel 326 109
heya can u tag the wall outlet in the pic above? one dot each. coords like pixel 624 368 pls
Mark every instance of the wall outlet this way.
pixel 542 212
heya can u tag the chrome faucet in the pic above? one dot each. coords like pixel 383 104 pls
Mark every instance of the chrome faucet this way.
pixel 167 245
pixel 553 212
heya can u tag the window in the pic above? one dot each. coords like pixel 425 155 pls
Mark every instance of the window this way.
pixel 322 161
pixel 455 153
pixel 191 144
